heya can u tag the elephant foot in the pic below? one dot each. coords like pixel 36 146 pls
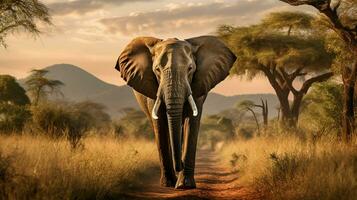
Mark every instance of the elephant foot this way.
pixel 168 181
pixel 185 181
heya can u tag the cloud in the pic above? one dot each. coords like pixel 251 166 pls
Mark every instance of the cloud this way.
pixel 186 19
pixel 85 6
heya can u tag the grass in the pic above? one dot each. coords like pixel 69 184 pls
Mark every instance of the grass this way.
pixel 291 168
pixel 40 168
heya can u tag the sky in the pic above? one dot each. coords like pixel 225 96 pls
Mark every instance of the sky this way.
pixel 91 34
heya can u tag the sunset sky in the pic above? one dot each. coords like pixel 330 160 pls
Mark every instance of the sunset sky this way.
pixel 91 33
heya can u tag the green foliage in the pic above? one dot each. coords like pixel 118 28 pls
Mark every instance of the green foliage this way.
pixel 13 117
pixel 11 91
pixel 256 48
pixel 322 109
pixel 21 15
pixel 286 48
pixel 40 87
pixel 288 20
pixel 334 44
pixel 134 123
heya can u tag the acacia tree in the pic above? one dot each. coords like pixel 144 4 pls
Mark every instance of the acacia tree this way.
pixel 287 50
pixel 265 110
pixel 16 15
pixel 40 87
pixel 341 15
pixel 249 106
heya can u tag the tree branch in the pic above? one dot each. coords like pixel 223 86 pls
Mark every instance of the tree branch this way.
pixel 346 33
pixel 307 84
pixel 319 4
pixel 271 77
pixel 289 81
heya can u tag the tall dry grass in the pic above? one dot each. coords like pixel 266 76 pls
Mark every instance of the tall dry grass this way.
pixel 286 167
pixel 40 168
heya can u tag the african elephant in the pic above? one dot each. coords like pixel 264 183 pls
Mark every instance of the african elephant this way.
pixel 171 79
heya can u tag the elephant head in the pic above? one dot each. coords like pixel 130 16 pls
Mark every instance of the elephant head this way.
pixel 172 72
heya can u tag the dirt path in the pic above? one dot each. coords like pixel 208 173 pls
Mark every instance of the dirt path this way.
pixel 213 180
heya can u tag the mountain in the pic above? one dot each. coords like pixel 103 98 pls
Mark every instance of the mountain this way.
pixel 217 102
pixel 79 85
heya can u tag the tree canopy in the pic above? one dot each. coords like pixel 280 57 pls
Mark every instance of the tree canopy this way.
pixel 290 50
pixel 11 91
pixel 40 87
pixel 21 15
pixel 341 17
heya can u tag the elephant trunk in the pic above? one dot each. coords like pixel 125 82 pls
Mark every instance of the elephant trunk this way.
pixel 174 117
pixel 174 91
pixel 175 94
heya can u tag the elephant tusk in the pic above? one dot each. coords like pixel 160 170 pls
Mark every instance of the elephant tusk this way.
pixel 193 105
pixel 155 109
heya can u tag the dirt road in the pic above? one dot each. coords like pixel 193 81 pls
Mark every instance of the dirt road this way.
pixel 214 181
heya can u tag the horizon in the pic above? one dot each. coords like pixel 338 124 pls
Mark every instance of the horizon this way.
pixel 92 35
pixel 74 66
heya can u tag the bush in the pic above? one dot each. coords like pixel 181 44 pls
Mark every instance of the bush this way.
pixel 13 117
pixel 60 121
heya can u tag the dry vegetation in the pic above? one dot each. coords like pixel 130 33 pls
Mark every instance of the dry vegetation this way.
pixel 287 167
pixel 35 167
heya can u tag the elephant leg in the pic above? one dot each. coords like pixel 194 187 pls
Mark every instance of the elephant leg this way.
pixel 168 177
pixel 191 126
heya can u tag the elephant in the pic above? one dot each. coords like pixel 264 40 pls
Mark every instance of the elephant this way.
pixel 171 79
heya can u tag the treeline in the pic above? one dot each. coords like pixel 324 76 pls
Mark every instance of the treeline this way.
pixel 320 117
pixel 33 110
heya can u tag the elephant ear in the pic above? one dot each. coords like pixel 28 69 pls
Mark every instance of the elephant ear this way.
pixel 135 66
pixel 213 60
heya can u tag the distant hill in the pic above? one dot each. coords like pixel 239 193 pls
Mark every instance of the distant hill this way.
pixel 81 85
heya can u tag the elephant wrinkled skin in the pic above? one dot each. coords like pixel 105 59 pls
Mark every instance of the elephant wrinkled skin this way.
pixel 171 79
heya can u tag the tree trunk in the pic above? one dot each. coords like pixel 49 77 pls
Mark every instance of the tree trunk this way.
pixel 256 119
pixel 348 121
pixel 295 110
pixel 286 114
pixel 265 112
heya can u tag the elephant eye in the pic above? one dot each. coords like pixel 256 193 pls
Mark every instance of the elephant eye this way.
pixel 190 67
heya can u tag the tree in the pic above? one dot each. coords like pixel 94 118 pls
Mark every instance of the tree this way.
pixel 13 101
pixel 265 111
pixel 16 15
pixel 249 106
pixel 40 87
pixel 341 15
pixel 12 92
pixel 289 52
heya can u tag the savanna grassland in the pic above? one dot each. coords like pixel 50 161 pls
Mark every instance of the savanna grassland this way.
pixel 53 148
pixel 287 167
pixel 37 167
